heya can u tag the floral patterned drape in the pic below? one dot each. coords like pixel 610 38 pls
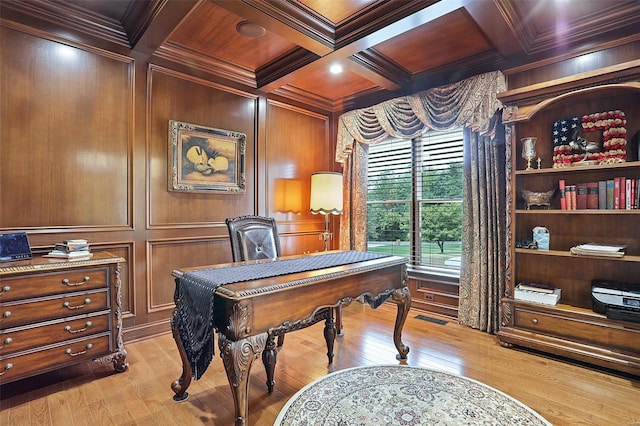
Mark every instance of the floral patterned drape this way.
pixel 482 278
pixel 469 104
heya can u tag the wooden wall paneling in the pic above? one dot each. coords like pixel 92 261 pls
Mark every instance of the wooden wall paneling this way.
pixel 66 134
pixel 167 255
pixel 301 242
pixel 176 96
pixel 260 163
pixel 297 142
pixel 138 259
pixel 617 52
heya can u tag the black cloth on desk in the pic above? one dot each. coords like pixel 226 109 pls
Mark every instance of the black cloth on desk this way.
pixel 194 307
pixel 195 293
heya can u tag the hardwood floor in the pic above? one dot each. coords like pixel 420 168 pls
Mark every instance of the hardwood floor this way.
pixel 90 394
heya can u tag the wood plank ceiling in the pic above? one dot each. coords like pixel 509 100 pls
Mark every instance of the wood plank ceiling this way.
pixel 386 47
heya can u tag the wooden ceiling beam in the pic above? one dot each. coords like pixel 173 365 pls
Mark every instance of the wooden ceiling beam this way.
pixel 496 19
pixel 162 17
pixel 343 54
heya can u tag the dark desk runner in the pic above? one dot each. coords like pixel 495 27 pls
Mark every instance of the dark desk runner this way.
pixel 195 293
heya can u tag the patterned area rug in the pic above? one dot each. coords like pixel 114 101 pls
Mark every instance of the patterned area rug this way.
pixel 402 395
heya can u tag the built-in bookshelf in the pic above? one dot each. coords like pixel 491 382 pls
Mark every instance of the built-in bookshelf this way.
pixel 571 328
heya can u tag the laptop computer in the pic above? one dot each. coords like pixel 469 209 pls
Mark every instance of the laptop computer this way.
pixel 14 246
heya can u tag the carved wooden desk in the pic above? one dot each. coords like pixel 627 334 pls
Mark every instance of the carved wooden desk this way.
pixel 248 314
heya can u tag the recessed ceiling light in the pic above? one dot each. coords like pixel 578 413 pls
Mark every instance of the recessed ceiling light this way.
pixel 335 69
pixel 249 29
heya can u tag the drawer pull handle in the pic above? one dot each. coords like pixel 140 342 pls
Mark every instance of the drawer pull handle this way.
pixel 68 305
pixel 68 351
pixel 6 342
pixel 535 320
pixel 5 289
pixel 70 284
pixel 80 330
pixel 7 367
pixel 5 315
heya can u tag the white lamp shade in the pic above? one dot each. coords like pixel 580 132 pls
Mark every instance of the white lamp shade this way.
pixel 326 193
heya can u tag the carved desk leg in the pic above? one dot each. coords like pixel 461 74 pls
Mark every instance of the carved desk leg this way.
pixel 402 297
pixel 237 358
pixel 180 386
pixel 269 359
pixel 330 332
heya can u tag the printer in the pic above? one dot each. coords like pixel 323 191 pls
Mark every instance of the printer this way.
pixel 617 300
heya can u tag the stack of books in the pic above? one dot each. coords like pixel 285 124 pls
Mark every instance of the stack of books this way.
pixel 547 294
pixel 620 193
pixel 71 249
pixel 597 249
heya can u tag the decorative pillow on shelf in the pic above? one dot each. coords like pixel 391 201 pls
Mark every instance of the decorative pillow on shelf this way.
pixel 569 146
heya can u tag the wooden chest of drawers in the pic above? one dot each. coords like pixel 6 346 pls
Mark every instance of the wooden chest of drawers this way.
pixel 55 313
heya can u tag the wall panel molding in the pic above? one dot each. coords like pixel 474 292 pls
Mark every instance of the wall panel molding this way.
pixel 62 144
pixel 167 254
pixel 173 95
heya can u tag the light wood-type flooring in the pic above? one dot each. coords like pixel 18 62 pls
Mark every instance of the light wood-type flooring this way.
pixel 93 394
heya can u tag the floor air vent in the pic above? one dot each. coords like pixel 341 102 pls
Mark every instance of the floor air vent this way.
pixel 430 319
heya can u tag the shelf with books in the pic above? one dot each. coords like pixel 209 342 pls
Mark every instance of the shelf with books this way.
pixel 577 212
pixel 571 328
pixel 612 188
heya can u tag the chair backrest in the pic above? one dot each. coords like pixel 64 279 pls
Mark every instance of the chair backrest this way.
pixel 253 237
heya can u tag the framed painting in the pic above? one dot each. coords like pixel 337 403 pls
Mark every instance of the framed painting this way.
pixel 204 159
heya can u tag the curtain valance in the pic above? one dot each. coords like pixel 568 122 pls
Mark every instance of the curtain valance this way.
pixel 468 103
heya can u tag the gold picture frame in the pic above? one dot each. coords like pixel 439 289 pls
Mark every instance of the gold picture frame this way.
pixel 205 159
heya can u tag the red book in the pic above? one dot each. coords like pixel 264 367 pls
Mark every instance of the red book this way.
pixel 592 195
pixel 571 197
pixel 616 193
pixel 581 196
pixel 563 200
pixel 623 193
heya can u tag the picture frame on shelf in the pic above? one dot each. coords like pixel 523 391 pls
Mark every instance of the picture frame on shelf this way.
pixel 205 159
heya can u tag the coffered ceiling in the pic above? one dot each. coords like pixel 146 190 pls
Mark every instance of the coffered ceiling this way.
pixel 385 47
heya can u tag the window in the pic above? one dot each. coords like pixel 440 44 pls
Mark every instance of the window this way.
pixel 414 200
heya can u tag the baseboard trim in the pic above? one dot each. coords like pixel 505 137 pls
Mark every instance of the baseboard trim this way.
pixel 146 331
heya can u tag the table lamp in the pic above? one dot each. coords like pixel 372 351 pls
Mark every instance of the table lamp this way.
pixel 326 199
